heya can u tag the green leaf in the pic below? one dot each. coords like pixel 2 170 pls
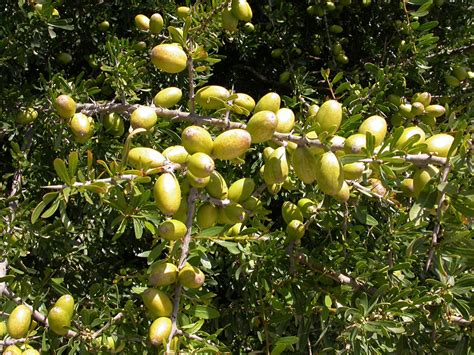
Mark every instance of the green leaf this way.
pixel 47 199
pixel 364 217
pixel 204 312
pixel 211 232
pixel 61 170
pixel 337 78
pixel 232 247
pixel 283 344
pixel 51 210
pixel 138 228
pixel 72 163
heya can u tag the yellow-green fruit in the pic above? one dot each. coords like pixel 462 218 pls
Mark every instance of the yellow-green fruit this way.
pixel 229 21
pixel 277 52
pixel 113 124
pixel 313 149
pixel 182 211
pixel 183 11
pixel 191 277
pixel 439 144
pixel 295 229
pixel 66 302
pixel 172 229
pixel 167 194
pixel 197 182
pixel 142 22
pixel 311 114
pixel 329 173
pixel 139 46
pixel 355 143
pixel 241 189
pixel 273 189
pixel 206 216
pixel 160 331
pixel 19 321
pixel 252 203
pixel 3 329
pixel 168 97
pixel 157 302
pixel 452 80
pixel 26 115
pixel 411 132
pixel 353 171
pixel 156 23
pixel 329 117
pixel 435 110
pixel 82 127
pixel 417 108
pixel 269 102
pixel 249 27
pixel 276 168
pixel 245 101
pixel 261 126
pixel 267 152
pixel 12 350
pixel 395 99
pixel 162 274
pixel 176 154
pixel 337 48
pixel 104 26
pixel 64 58
pixel 222 217
pixel 217 186
pixel 200 165
pixel 335 29
pixel 233 230
pixel 377 126
pixel 460 73
pixel 143 117
pixel 231 144
pixel 211 97
pixel 235 213
pixel 169 58
pixel 422 177
pixel 290 211
pixel 342 58
pixel 304 163
pixel 343 194
pixel 285 119
pixel 407 187
pixel 30 351
pixel 65 106
pixel 422 97
pixel 241 10
pixel 197 139
pixel 145 158
pixel 59 320
pixel 307 207
pixel 284 77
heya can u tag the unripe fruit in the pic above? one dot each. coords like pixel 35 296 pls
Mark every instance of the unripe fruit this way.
pixel 65 106
pixel 12 350
pixel 82 127
pixel 377 126
pixel 269 102
pixel 435 110
pixel 211 97
pixel 295 229
pixel 408 133
pixel 422 177
pixel 59 320
pixel 424 98
pixel 284 77
pixel 439 144
pixel 285 119
pixel 64 58
pixel 343 194
pixel 145 158
pixel 143 117
pixel 342 58
pixel 353 171
pixel 142 22
pixel 329 173
pixel 139 46
pixel 172 229
pixel 183 11
pixel 206 216
pixel 168 97
pixel 104 26
pixel 304 163
pixel 222 217
pixel 176 154
pixel 197 139
pixel 267 152
pixel 167 194
pixel 261 126
pixel 191 277
pixel 113 124
pixel 252 203
pixel 277 52
pixel 405 110
pixel 241 190
pixel 234 230
pixel 451 80
pixel 290 211
pixel 229 21
pixel 249 27
pixel 417 108
pixel 329 117
pixel 395 99
pixel 307 207
pixel 18 322
pixel 157 302
pixel 460 73
pixel 200 165
pixel 66 302
pixel 182 211
pixel 355 143
pixel 241 10
pixel 276 168
pixel 337 48
pixel 245 101
pixel 162 274
pixel 312 112
pixel 169 58
pixel 160 330
pixel 235 213
pixel 156 23
pixel 197 182
pixel 217 186
pixel 3 329
pixel 407 187
pixel 26 115
pixel 231 144
pixel 335 29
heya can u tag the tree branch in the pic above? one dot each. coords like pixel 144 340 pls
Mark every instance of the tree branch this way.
pixel 16 341
pixel 118 317
pixel 195 337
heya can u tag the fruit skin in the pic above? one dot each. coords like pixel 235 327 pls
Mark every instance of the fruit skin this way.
pixel 160 330
pixel 242 10
pixel 329 173
pixel 252 203
pixel 197 139
pixel 168 97
pixel 59 320
pixel 82 127
pixel 104 26
pixel 422 177
pixel 156 23
pixel 439 144
pixel 3 329
pixel 355 143
pixel 206 216
pixel 422 97
pixel 64 58
pixel 176 154
pixel 377 126
pixel 304 162
pixel 169 58
pixel 276 168
pixel 452 80
pixel 329 117
pixel 286 120
pixel 12 350
pixel 307 207
pixel 157 302
pixel 343 194
pixel 290 212
pixel 66 302
pixel 231 144
pixel 435 110
pixel 245 101
pixel 269 102
pixel 113 124
pixel 172 229
pixel 229 21
pixel 408 133
pixel 460 73
pixel 200 165
pixel 18 322
pixel 407 187
pixel 241 190
pixel 249 27
pixel 142 22
pixel 261 126
pixel 143 117
pixel 353 171
pixel 167 194
pixel 235 213
pixel 217 186
pixel 26 116
pixel 183 11
pixel 295 229
pixel 65 106
pixel 211 97
pixel 191 277
pixel 197 182
pixel 162 274
pixel 145 158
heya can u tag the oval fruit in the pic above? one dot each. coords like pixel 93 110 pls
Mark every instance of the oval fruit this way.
pixel 329 117
pixel 211 97
pixel 162 274
pixel 197 139
pixel 353 171
pixel 231 144
pixel 172 229
pixel 143 117
pixel 307 207
pixel 217 186
pixel 343 194
pixel 245 101
pixel 142 22
pixel 460 73
pixel 64 58
pixel 181 213
pixel 191 277
pixel 156 23
pixel 285 119
pixel 269 102
pixel 252 203
pixel 200 165
pixel 435 110
pixel 241 10
pixel 276 168
pixel 18 322
pixel 82 127
pixel 167 194
pixel 168 97
pixel 183 11
pixel 304 162
pixel 59 320
pixel 295 229
pixel 417 108
pixel 290 212
pixel 377 126
pixel 229 21
pixel 206 216
pixel 355 143
pixel 169 58
pixel 160 330
pixel 113 124
pixel 176 154
pixel 235 213
pixel 157 302
pixel 12 350
pixel 145 158
pixel 261 126
pixel 439 144
pixel 66 302
pixel 422 97
pixel 407 187
pixel 104 26
pixel 422 177
pixel 65 106
pixel 329 173
pixel 241 190
pixel 408 133
pixel 197 182
pixel 26 116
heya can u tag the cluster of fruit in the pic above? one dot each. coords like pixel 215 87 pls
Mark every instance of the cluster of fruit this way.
pixel 419 108
pixel 458 75
pixel 239 10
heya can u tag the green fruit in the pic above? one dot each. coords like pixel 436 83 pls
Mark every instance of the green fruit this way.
pixel 82 127
pixel 59 320
pixel 157 302
pixel 267 152
pixel 417 108
pixel 162 274
pixel 329 117
pixel 3 329
pixel 311 114
pixel 235 213
pixel 66 302
pixel 18 322
pixel 26 116
pixel 353 171
pixel 64 58
pixel 422 97
pixel 191 277
pixel 65 106
pixel 407 187
pixel 172 229
pixel 335 29
pixel 182 212
pixel 304 162
pixel 222 217
pixel 113 124
pixel 435 110
pixel 395 99
pixel 284 77
pixel 439 144
pixel 231 144
pixel 377 126
pixel 197 139
pixel 273 189
pixel 176 154
pixel 167 194
pixel 211 97
pixel 342 58
pixel 355 143
pixel 249 27
pixel 217 186
pixel 169 58
pixel 290 212
pixel 156 23
pixel 269 102
pixel 139 46
pixel 337 48
pixel 241 189
pixel 197 182
pixel 183 11
pixel 452 80
pixel 405 110
pixel 233 230
pixel 160 331
pixel 408 133
pixel 143 117
pixel 329 173
pixel 295 229
pixel 145 158
pixel 200 165
pixel 276 168
pixel 252 203
pixel 241 10
pixel 245 101
pixel 168 97
pixel 343 194
pixel 286 120
pixel 206 216
pixel 422 177
pixel 104 26
pixel 307 207
pixel 142 22
pixel 12 350
pixel 277 53
pixel 229 21
pixel 460 73
pixel 261 126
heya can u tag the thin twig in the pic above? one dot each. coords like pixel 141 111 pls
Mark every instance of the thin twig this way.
pixel 16 341
pixel 195 337
pixel 115 319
